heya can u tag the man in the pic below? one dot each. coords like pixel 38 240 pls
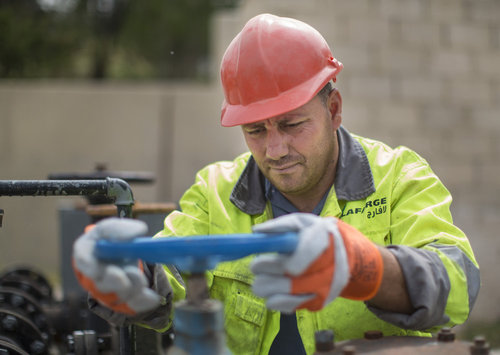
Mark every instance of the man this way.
pixel 377 247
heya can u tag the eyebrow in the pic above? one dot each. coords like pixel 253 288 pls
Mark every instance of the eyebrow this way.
pixel 285 117
pixel 252 125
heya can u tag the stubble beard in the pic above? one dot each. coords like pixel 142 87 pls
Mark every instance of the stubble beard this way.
pixel 307 179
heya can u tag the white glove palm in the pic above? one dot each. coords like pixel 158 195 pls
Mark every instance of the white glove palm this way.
pixel 123 288
pixel 313 275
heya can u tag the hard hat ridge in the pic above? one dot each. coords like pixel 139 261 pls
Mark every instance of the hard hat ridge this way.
pixel 274 65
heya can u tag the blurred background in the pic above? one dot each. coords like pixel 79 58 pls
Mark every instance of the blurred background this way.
pixel 133 86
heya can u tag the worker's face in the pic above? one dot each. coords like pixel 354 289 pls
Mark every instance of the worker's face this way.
pixel 297 151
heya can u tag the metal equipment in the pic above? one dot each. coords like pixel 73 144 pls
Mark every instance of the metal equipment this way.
pixel 115 189
pixel 18 328
pixel 33 322
pixel 375 343
pixel 24 327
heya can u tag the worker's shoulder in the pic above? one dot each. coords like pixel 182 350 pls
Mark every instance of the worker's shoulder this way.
pixel 381 153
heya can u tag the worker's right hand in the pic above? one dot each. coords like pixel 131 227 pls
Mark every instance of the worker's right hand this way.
pixel 122 288
pixel 332 259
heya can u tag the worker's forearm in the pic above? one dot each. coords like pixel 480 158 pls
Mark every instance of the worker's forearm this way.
pixel 392 294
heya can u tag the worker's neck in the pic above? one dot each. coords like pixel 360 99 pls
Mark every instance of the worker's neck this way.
pixel 308 200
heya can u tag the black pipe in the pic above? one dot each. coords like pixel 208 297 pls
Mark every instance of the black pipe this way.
pixel 117 189
pixel 53 187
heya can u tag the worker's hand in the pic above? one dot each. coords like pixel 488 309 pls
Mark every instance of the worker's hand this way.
pixel 332 258
pixel 122 288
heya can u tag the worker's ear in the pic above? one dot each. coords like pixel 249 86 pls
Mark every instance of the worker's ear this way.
pixel 334 104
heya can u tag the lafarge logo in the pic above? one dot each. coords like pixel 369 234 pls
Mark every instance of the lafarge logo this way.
pixel 372 208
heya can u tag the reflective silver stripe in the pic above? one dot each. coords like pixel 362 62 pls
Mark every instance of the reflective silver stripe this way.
pixel 470 270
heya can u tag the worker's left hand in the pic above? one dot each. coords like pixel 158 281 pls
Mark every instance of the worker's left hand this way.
pixel 122 287
pixel 332 258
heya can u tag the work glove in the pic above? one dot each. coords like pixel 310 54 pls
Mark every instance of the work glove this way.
pixel 122 288
pixel 332 259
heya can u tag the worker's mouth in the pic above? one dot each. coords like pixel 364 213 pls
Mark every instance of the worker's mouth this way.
pixel 283 169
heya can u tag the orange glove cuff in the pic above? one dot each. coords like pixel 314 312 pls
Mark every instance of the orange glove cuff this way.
pixel 89 227
pixel 365 264
pixel 110 300
pixel 314 278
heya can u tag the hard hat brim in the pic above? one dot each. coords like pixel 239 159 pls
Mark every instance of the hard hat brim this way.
pixel 234 115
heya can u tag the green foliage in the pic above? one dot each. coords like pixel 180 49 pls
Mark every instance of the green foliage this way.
pixel 34 43
pixel 170 35
pixel 131 39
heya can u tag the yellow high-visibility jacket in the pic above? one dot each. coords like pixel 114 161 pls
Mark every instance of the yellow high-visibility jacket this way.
pixel 390 195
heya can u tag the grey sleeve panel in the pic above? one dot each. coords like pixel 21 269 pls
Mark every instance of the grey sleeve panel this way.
pixel 428 287
pixel 470 270
pixel 157 318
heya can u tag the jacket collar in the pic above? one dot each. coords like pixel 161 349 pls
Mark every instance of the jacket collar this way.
pixel 353 179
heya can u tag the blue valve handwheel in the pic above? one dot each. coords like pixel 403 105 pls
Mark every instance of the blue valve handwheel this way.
pixel 194 253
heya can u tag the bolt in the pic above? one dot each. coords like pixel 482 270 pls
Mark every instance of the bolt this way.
pixel 37 347
pixel 480 346
pixel 30 308
pixel 10 323
pixel 324 340
pixel 446 335
pixel 16 301
pixel 373 334
pixel 103 344
pixel 45 336
pixel 70 342
pixel 40 320
pixel 479 341
pixel 349 350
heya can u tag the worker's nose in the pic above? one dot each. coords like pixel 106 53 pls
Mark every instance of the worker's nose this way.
pixel 276 144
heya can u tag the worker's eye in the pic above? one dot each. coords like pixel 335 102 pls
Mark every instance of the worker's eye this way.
pixel 254 130
pixel 292 124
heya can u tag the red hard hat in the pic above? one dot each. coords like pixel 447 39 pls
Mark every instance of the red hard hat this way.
pixel 274 65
